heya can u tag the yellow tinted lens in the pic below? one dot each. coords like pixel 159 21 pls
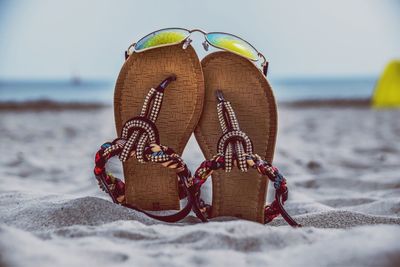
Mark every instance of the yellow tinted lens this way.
pixel 233 44
pixel 161 38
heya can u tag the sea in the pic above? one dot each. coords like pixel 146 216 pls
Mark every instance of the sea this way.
pixel 101 91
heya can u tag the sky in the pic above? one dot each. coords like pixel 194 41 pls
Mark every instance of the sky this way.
pixel 54 39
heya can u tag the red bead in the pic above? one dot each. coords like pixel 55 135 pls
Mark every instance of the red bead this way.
pixel 97 157
pixel 98 170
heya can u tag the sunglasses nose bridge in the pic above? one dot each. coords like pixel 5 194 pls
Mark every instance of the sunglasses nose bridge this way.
pixel 198 30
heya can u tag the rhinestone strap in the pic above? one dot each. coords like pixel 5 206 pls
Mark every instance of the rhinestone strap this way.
pixel 152 152
pixel 234 143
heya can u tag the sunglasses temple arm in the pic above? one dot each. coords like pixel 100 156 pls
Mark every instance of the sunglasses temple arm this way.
pixel 265 69
pixel 264 64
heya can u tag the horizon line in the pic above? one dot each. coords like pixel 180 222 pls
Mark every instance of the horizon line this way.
pixel 109 80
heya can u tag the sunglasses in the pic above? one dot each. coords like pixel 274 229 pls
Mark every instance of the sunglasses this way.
pixel 221 40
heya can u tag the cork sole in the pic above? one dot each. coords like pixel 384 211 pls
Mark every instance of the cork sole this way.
pixel 151 186
pixel 236 193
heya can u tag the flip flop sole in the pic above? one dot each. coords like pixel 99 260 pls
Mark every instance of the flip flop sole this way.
pixel 151 186
pixel 236 193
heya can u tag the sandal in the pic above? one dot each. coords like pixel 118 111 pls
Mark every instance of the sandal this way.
pixel 140 139
pixel 237 192
pixel 147 186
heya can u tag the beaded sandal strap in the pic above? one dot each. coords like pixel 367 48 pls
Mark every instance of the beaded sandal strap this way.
pixel 140 139
pixel 235 146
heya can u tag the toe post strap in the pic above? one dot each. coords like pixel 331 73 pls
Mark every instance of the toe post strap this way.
pixel 165 83
pixel 234 144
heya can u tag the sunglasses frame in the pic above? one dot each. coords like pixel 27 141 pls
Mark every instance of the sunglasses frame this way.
pixel 186 41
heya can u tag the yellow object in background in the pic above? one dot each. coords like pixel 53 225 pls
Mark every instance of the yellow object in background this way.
pixel 387 91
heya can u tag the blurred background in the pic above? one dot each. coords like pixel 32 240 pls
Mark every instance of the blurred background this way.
pixel 73 50
pixel 59 60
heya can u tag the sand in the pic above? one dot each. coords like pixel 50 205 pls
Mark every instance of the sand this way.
pixel 342 166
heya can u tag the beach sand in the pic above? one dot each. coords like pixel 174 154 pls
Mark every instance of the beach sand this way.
pixel 342 165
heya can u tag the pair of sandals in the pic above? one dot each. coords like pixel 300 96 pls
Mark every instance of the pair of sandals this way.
pixel 228 104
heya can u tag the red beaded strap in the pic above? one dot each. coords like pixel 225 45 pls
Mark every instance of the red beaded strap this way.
pixel 235 148
pixel 154 153
pixel 140 139
pixel 264 168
